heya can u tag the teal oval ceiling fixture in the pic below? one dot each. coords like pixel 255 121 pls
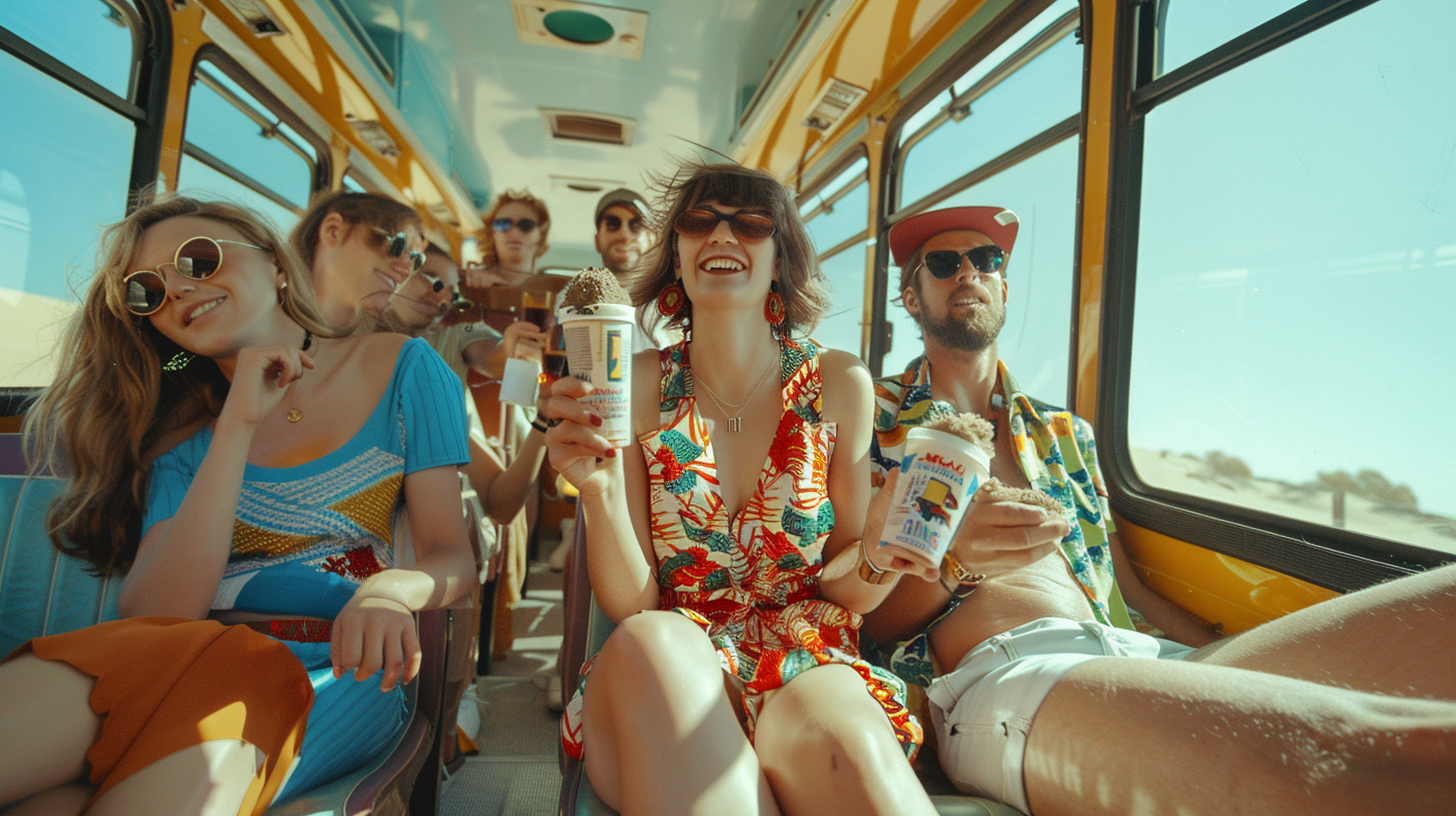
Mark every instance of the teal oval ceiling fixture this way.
pixel 578 27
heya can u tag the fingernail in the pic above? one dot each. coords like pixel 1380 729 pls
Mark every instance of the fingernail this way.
pixel 596 420
pixel 611 453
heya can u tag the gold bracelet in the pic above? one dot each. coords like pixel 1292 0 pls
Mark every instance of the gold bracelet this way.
pixel 957 580
pixel 868 572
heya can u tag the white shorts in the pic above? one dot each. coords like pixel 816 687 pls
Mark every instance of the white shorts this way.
pixel 982 710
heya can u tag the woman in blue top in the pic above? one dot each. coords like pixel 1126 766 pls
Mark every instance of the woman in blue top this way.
pixel 242 468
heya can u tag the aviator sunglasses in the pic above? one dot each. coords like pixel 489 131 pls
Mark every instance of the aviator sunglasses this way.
pixel 198 258
pixel 746 226
pixel 505 224
pixel 944 263
pixel 397 244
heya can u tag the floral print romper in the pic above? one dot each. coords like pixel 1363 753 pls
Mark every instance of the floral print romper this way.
pixel 752 581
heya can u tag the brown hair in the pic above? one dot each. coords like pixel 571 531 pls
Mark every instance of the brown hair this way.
pixel 801 284
pixel 368 209
pixel 111 406
pixel 489 258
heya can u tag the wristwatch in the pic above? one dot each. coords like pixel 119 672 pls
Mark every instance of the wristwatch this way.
pixel 956 579
pixel 868 572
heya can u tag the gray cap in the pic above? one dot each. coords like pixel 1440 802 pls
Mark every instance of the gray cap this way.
pixel 622 196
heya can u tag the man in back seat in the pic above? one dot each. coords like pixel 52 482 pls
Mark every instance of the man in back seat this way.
pixel 1042 701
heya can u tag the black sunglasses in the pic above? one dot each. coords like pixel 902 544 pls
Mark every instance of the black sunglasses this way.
pixel 944 263
pixel 746 226
pixel 505 224
pixel 614 223
pixel 197 258
pixel 397 244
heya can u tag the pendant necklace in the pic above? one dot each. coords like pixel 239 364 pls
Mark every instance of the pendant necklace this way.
pixel 294 414
pixel 735 422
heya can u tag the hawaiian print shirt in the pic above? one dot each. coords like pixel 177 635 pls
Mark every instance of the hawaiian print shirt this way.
pixel 1057 453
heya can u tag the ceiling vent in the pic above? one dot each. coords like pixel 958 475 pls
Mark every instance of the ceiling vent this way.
pixel 374 135
pixel 581 126
pixel 578 184
pixel 256 15
pixel 833 101
pixel 612 32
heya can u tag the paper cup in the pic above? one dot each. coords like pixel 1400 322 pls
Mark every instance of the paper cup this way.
pixel 939 474
pixel 599 351
pixel 519 381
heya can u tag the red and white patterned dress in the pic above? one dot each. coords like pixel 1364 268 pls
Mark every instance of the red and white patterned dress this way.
pixel 752 580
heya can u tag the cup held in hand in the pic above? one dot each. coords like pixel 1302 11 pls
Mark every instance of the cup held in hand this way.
pixel 599 351
pixel 938 476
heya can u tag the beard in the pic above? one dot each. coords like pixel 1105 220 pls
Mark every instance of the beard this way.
pixel 973 333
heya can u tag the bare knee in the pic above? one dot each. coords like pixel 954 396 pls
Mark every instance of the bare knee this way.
pixel 662 643
pixel 824 722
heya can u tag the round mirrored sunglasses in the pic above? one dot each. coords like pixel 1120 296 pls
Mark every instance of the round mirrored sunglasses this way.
pixel 197 258
pixel 523 224
pixel 746 226
pixel 397 244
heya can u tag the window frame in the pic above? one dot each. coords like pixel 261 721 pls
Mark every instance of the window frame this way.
pixel 150 22
pixel 826 177
pixel 320 177
pixel 1331 557
pixel 891 211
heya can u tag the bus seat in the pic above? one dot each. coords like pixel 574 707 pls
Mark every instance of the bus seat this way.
pixel 587 628
pixel 45 592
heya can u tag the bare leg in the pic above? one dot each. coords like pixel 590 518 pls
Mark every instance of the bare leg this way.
pixel 659 733
pixel 1122 736
pixel 209 779
pixel 46 717
pixel 1395 638
pixel 827 747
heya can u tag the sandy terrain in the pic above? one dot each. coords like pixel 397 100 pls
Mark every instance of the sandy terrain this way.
pixel 1189 474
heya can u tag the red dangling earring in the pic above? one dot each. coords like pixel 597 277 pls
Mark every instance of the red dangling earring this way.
pixel 773 307
pixel 671 299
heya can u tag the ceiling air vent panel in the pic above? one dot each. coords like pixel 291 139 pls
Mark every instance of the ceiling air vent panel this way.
pixel 581 126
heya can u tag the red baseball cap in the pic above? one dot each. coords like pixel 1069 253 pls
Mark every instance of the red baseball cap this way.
pixel 997 223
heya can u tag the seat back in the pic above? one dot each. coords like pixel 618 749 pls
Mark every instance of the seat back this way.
pixel 45 592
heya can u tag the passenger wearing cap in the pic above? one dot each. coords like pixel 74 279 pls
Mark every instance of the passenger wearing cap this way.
pixel 1318 711
pixel 622 233
pixel 622 237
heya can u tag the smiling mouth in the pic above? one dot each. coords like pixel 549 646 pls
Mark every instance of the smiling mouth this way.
pixel 393 284
pixel 202 310
pixel 722 265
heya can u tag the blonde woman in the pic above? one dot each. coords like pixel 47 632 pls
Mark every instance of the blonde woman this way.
pixel 239 466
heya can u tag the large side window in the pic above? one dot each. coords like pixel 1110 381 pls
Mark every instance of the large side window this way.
pixel 837 215
pixel 67 140
pixel 1295 263
pixel 1004 134
pixel 241 149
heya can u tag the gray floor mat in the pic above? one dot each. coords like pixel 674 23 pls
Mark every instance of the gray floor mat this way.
pixel 504 786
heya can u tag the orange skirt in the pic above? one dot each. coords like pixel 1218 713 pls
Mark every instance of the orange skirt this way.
pixel 164 684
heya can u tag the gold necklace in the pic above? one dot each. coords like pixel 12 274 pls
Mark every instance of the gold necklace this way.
pixel 735 422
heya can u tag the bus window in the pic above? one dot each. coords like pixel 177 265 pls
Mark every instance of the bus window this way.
pixel 837 216
pixel 1296 266
pixel 1008 139
pixel 65 166
pixel 238 149
pixel 1191 28
pixel 1032 88
pixel 95 37
pixel 353 184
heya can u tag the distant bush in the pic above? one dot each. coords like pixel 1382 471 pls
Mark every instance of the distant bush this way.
pixel 1229 467
pixel 1370 484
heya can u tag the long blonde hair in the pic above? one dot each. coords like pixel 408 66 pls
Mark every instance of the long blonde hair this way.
pixel 112 408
